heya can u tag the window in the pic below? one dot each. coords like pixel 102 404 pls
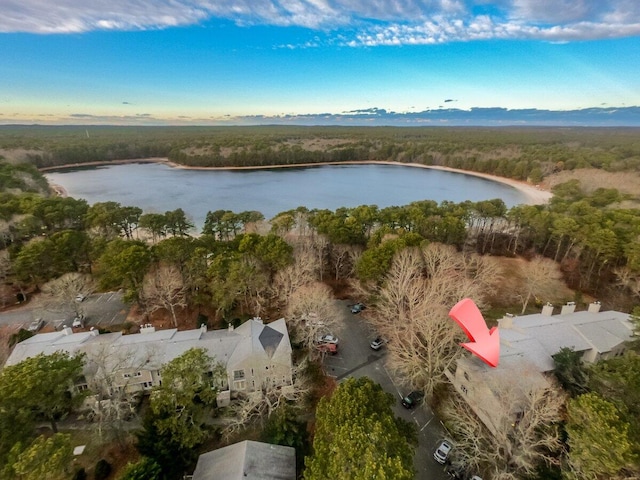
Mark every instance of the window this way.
pixel 147 384
pixel 464 389
pixel 137 374
pixel 466 376
pixel 238 374
pixel 239 385
pixel 126 375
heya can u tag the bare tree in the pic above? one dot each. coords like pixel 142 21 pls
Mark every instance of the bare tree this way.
pixel 628 279
pixel 5 268
pixel 304 271
pixel 311 312
pixel 344 259
pixel 526 426
pixel 109 375
pixel 412 307
pixel 61 294
pixel 259 405
pixel 164 287
pixel 538 278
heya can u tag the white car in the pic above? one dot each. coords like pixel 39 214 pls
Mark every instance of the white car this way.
pixel 328 338
pixel 36 325
pixel 442 452
pixel 78 321
pixel 377 343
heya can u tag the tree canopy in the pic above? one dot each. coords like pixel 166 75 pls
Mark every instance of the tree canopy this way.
pixel 41 384
pixel 357 436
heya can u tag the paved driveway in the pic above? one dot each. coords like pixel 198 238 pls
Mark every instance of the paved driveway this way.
pixel 101 309
pixel 356 359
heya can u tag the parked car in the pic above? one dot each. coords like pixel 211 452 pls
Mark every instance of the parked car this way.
pixel 330 348
pixel 441 455
pixel 457 473
pixel 413 399
pixel 78 321
pixel 357 308
pixel 377 343
pixel 36 325
pixel 328 338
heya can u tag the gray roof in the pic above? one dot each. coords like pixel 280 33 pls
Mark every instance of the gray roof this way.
pixel 534 339
pixel 247 460
pixel 539 337
pixel 154 349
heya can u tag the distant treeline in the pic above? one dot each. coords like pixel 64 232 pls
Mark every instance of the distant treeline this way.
pixel 514 152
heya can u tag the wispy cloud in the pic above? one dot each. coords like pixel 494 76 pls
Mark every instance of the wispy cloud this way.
pixel 347 22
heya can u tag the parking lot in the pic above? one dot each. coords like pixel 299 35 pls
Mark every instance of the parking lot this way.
pixel 100 309
pixel 356 359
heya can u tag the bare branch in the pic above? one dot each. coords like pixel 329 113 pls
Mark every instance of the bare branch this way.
pixel 164 287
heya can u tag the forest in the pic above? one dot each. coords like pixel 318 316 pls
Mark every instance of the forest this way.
pixel 519 153
pixel 410 262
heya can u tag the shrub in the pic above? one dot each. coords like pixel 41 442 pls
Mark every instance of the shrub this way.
pixel 103 470
pixel 80 475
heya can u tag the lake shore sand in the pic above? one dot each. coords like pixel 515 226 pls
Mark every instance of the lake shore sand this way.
pixel 534 194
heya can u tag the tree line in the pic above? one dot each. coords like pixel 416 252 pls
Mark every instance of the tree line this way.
pixel 520 153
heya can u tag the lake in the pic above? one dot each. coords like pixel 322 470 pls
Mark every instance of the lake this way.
pixel 157 187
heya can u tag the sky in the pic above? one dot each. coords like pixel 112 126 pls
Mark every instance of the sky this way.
pixel 370 62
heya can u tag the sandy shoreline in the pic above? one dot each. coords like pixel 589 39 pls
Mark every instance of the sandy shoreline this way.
pixel 534 194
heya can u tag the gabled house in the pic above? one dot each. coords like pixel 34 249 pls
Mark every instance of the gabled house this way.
pixel 254 355
pixel 527 346
pixel 247 460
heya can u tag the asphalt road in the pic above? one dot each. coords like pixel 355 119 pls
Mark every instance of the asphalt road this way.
pixel 356 359
pixel 103 309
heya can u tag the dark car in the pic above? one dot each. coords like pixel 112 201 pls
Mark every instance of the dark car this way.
pixel 413 399
pixel 357 308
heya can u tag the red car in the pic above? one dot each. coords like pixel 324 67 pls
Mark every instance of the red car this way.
pixel 330 348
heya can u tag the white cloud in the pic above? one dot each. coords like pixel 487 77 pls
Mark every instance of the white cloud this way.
pixel 351 22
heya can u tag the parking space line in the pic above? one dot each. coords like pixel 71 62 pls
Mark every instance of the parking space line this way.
pixel 426 424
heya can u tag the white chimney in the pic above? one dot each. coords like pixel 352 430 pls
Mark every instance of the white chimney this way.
pixel 258 319
pixel 147 328
pixel 203 328
pixel 67 330
pixel 594 307
pixel 230 327
pixel 547 310
pixel 570 307
pixel 506 321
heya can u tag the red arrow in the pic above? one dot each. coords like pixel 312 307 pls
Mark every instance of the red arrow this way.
pixel 485 343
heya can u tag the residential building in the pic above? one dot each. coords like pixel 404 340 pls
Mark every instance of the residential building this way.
pixel 254 355
pixel 527 346
pixel 247 460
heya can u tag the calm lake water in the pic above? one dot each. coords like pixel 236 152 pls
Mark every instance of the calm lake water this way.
pixel 156 187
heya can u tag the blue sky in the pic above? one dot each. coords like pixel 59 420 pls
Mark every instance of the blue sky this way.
pixel 314 61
